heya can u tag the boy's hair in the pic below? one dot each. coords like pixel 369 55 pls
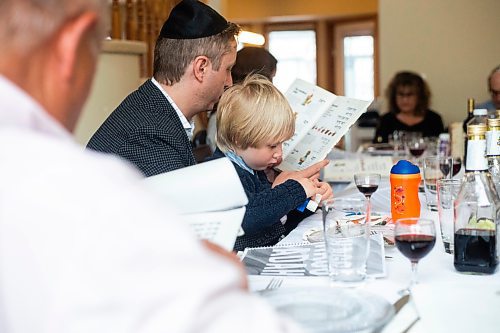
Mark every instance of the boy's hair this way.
pixel 253 113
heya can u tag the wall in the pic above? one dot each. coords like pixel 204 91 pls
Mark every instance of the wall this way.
pixel 117 75
pixel 454 43
pixel 278 10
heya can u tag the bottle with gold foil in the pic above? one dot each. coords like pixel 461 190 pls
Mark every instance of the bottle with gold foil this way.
pixel 477 211
pixel 493 150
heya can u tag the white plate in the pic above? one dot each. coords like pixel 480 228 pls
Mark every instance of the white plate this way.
pixel 333 310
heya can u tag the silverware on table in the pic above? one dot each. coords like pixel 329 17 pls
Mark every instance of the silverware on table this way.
pixel 274 283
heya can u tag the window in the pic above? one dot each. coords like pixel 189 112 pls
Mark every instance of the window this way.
pixel 358 67
pixel 354 65
pixel 295 51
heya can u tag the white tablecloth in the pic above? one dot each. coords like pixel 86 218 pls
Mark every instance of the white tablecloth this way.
pixel 445 299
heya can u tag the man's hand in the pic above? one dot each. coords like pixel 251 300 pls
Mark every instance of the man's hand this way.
pixel 230 256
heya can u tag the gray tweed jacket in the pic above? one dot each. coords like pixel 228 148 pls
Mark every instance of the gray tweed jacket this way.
pixel 145 130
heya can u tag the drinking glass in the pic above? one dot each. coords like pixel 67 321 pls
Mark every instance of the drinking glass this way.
pixel 447 193
pixel 397 140
pixel 416 146
pixel 347 240
pixel 367 184
pixel 415 238
pixel 457 165
pixel 435 168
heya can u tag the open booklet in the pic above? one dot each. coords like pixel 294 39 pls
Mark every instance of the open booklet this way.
pixel 212 201
pixel 322 118
pixel 306 259
pixel 342 170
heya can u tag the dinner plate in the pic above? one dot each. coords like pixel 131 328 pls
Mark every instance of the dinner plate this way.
pixel 333 310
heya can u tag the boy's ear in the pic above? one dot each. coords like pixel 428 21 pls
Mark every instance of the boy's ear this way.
pixel 200 66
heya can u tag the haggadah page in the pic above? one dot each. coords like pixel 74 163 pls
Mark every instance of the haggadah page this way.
pixel 322 118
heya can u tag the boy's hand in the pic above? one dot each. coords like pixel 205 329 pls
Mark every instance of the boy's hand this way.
pixel 326 190
pixel 310 187
pixel 311 173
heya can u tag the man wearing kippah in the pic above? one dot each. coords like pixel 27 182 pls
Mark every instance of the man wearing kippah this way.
pixel 126 265
pixel 193 57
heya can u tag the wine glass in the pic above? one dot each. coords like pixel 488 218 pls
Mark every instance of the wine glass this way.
pixel 367 183
pixel 415 238
pixel 416 146
pixel 457 165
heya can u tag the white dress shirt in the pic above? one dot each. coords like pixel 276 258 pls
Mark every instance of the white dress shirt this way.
pixel 85 248
pixel 188 125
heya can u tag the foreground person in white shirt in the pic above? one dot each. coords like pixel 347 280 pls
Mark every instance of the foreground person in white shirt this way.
pixel 83 247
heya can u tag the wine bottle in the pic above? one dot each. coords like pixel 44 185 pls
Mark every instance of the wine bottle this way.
pixel 477 211
pixel 480 116
pixel 493 150
pixel 470 115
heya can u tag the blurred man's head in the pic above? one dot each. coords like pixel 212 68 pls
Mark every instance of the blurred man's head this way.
pixel 494 86
pixel 254 60
pixel 50 50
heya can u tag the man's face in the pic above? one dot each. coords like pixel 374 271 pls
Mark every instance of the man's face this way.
pixel 216 81
pixel 495 89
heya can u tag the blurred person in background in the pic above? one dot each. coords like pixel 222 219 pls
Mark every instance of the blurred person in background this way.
pixel 249 60
pixel 84 247
pixel 494 88
pixel 409 98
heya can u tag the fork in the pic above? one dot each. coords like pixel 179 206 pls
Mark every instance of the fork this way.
pixel 274 283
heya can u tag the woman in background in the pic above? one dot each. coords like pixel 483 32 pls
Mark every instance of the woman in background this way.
pixel 409 99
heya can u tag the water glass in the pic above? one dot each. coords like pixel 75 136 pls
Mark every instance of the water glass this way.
pixel 447 193
pixel 435 168
pixel 347 240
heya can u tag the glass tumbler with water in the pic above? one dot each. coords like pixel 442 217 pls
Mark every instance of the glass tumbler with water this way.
pixel 347 239
pixel 447 193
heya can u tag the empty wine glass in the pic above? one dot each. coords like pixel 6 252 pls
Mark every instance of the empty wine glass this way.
pixel 367 184
pixel 415 238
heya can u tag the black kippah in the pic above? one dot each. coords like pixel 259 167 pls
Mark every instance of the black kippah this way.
pixel 193 19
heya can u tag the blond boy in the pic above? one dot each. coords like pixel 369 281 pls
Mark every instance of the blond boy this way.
pixel 253 120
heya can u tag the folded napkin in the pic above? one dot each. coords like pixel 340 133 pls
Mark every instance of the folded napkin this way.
pixel 455 307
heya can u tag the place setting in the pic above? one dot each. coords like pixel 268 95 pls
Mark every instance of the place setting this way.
pixel 353 256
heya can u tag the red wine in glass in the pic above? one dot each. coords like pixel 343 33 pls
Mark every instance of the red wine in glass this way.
pixel 415 247
pixel 414 238
pixel 457 165
pixel 445 168
pixel 367 189
pixel 417 152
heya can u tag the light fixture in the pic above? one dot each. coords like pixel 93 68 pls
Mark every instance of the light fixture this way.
pixel 247 37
